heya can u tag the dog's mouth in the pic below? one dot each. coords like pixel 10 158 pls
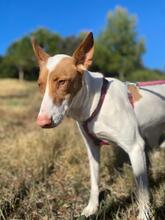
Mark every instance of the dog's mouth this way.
pixel 48 126
pixel 53 123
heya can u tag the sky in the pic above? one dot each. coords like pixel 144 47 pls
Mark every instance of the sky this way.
pixel 70 17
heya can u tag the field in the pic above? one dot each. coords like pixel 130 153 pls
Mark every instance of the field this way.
pixel 44 173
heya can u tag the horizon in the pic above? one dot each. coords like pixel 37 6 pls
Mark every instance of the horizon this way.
pixel 60 18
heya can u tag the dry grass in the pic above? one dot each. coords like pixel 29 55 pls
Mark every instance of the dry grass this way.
pixel 44 173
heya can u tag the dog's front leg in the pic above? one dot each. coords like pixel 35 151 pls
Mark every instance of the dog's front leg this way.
pixel 93 155
pixel 94 158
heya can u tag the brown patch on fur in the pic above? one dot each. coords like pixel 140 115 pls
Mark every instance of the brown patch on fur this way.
pixel 135 93
pixel 64 81
pixel 42 79
pixel 42 58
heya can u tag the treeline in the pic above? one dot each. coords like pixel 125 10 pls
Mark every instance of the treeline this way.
pixel 118 51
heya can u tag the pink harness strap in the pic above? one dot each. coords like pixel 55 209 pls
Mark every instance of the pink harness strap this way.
pixel 96 140
pixel 150 83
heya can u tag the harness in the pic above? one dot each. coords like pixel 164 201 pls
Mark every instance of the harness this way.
pixel 104 89
pixel 95 139
pixel 150 83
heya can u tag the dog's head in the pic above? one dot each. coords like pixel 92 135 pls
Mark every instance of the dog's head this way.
pixel 60 79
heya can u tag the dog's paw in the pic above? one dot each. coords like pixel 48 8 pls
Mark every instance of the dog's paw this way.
pixel 91 209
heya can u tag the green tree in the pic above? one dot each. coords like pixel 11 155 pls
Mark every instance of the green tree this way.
pixel 6 69
pixel 118 47
pixel 69 44
pixel 20 55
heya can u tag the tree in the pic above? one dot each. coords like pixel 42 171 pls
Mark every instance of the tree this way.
pixel 6 69
pixel 20 55
pixel 69 44
pixel 118 47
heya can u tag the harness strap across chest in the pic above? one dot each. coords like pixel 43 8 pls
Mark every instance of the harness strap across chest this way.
pixel 96 140
pixel 85 124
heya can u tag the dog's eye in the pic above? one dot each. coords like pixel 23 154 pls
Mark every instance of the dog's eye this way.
pixel 61 82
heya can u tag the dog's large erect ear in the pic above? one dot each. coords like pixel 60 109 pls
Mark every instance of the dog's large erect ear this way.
pixel 83 55
pixel 40 54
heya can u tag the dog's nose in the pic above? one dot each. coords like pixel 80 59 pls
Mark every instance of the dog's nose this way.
pixel 44 121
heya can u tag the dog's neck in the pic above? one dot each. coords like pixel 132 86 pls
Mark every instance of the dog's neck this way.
pixel 86 100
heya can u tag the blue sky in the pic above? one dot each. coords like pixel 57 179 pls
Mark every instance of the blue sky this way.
pixel 68 17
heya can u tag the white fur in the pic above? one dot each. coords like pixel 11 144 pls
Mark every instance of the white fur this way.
pixel 53 61
pixel 47 103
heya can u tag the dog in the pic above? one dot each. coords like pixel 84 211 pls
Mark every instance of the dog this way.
pixel 105 109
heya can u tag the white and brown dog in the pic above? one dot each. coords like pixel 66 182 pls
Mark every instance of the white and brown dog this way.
pixel 103 111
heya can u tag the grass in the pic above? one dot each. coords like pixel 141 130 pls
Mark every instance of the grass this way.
pixel 44 173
